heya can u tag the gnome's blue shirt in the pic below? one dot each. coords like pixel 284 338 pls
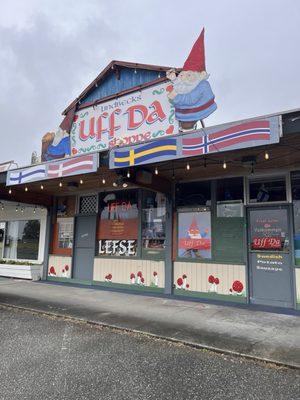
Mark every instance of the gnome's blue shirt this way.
pixel 198 104
pixel 60 150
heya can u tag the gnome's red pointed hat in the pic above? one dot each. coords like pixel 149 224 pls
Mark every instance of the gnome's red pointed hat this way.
pixel 196 58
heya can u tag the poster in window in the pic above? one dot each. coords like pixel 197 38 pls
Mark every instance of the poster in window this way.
pixel 194 234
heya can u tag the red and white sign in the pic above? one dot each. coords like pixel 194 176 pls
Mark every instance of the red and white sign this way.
pixel 266 243
pixel 134 118
pixel 195 244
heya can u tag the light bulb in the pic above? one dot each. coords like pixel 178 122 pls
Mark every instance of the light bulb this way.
pixel 42 187
pixel 125 185
pixel 81 181
pixel 224 164
pixel 156 171
pixel 9 192
pixel 26 189
pixel 267 155
pixel 60 184
pixel 103 181
pixel 128 174
pixel 115 184
pixel 188 166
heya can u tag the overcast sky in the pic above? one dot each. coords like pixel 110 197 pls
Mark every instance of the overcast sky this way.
pixel 50 50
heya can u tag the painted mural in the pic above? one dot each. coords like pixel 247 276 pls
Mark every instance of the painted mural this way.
pixel 191 93
pixel 134 118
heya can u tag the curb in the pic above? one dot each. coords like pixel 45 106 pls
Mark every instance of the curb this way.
pixel 152 335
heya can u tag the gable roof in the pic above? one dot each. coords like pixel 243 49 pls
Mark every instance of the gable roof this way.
pixel 113 66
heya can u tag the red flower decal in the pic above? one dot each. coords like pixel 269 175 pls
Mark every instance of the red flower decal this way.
pixel 52 270
pixel 237 286
pixel 66 268
pixel 154 273
pixel 187 286
pixel 184 276
pixel 142 280
pixel 74 151
pixel 132 276
pixel 109 276
pixel 217 281
pixel 211 279
pixel 75 118
pixel 169 88
pixel 139 274
pixel 179 282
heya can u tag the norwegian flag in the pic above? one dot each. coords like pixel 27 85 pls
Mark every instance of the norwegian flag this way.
pixel 218 141
pixel 74 166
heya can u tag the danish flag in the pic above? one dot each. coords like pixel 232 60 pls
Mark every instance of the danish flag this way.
pixel 74 166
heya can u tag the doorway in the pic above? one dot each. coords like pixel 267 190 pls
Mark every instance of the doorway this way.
pixel 84 247
pixel 270 256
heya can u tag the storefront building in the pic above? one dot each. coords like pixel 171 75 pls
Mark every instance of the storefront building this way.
pixel 148 205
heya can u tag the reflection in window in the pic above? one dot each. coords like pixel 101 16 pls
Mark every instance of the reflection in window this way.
pixel 22 240
pixel 267 189
pixel 154 220
pixel 193 194
pixel 295 181
pixel 230 196
pixel 65 233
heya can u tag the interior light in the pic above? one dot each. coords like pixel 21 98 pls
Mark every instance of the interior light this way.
pixel 81 181
pixel 9 192
pixel 42 187
pixel 26 189
pixel 224 164
pixel 115 184
pixel 128 174
pixel 125 185
pixel 156 171
pixel 188 166
pixel 103 181
pixel 60 184
pixel 267 156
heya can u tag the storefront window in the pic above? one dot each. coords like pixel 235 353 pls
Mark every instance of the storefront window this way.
pixel 21 240
pixel 154 223
pixel 295 181
pixel 267 189
pixel 193 194
pixel 230 197
pixel 118 225
pixel 65 233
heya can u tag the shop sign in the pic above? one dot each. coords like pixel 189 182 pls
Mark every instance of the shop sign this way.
pixel 227 137
pixel 266 243
pixel 56 169
pixel 117 247
pixel 134 118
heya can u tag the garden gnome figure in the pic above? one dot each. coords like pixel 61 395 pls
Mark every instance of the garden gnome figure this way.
pixel 192 96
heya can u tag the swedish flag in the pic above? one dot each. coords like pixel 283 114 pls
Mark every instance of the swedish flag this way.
pixel 145 152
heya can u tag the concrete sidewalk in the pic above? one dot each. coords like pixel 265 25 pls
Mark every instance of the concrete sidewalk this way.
pixel 256 334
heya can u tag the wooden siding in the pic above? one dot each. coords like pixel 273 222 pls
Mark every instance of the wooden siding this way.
pixel 198 273
pixel 128 79
pixel 122 268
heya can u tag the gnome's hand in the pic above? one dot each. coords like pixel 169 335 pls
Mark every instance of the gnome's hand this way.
pixel 172 95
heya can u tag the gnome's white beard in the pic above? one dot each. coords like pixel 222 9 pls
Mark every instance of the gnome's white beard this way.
pixel 183 87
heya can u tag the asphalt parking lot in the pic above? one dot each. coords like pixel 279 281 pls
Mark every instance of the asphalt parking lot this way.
pixel 52 358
